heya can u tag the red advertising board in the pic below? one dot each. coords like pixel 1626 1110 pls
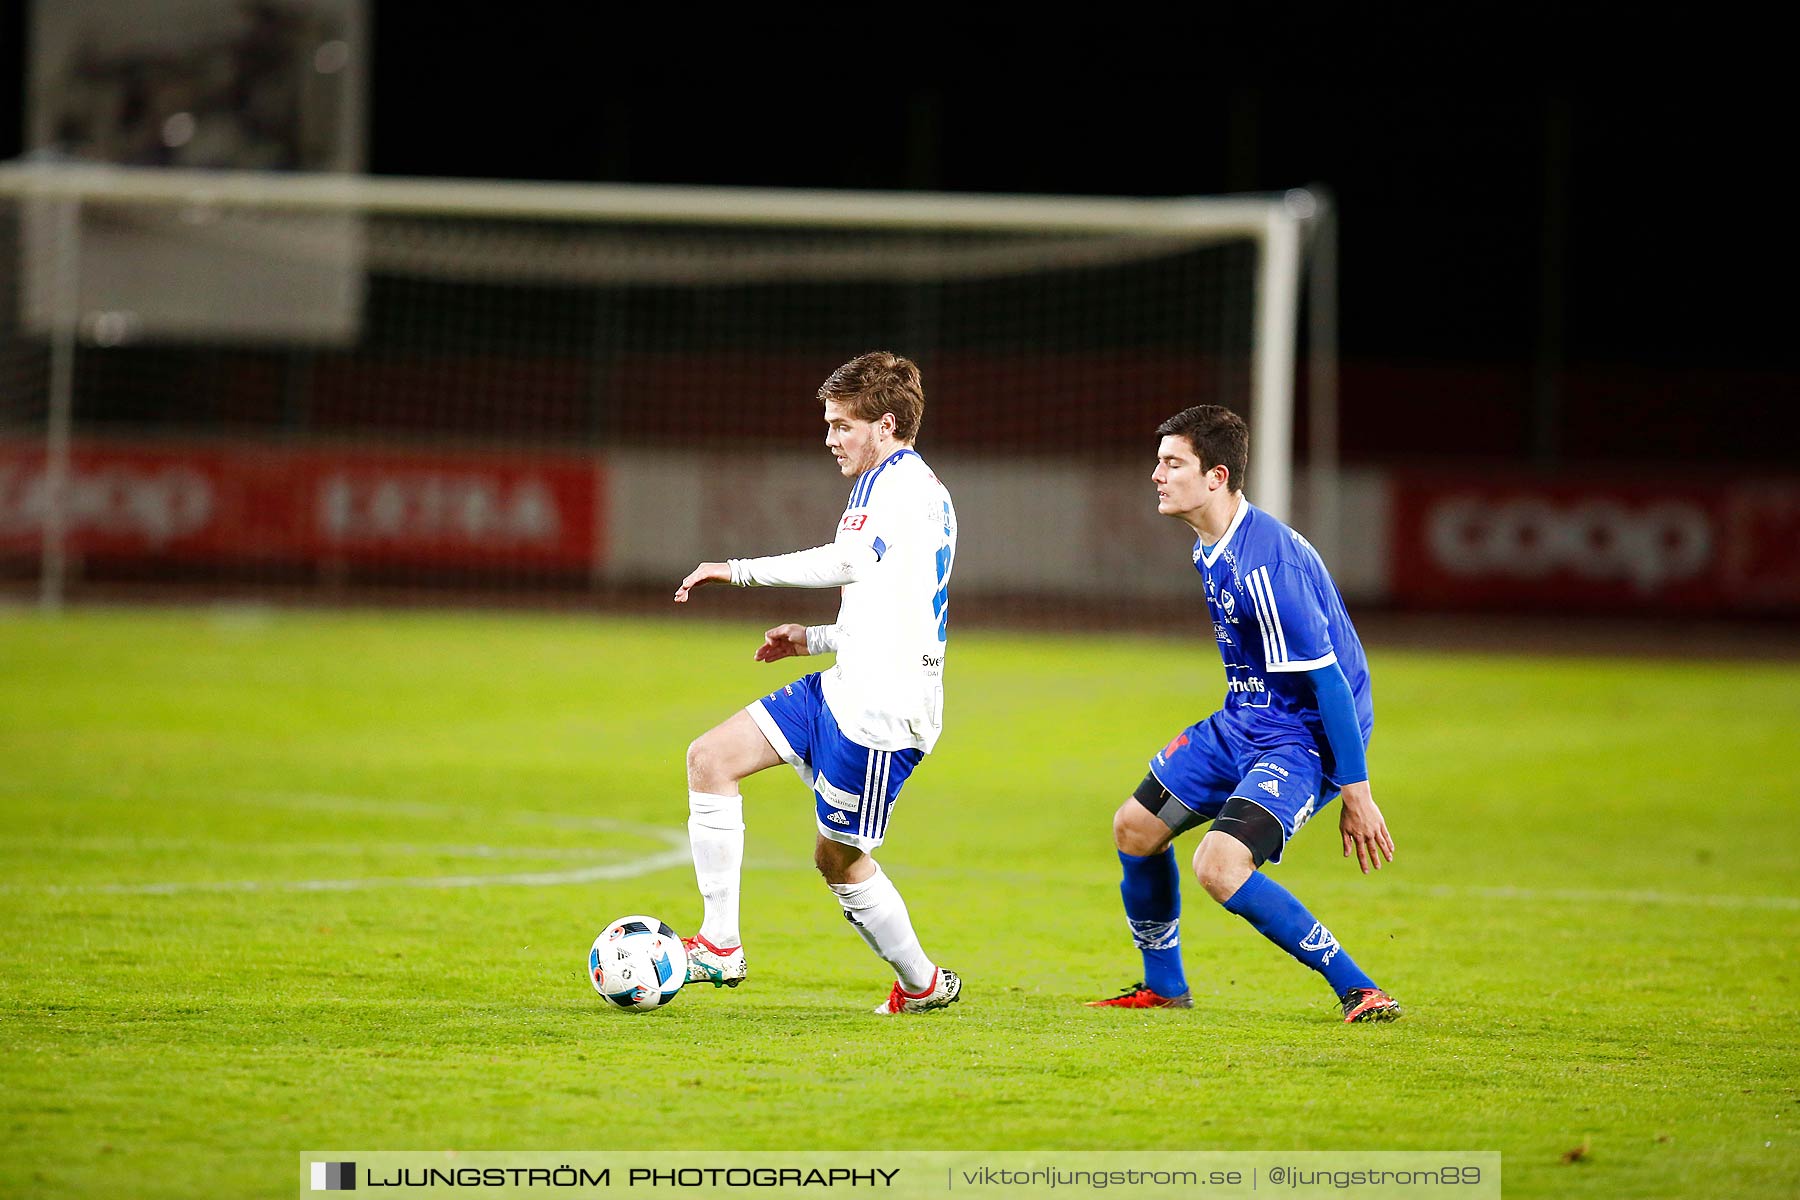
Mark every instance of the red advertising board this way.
pixel 248 502
pixel 1616 547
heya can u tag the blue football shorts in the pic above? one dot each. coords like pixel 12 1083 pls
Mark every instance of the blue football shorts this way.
pixel 854 787
pixel 1202 769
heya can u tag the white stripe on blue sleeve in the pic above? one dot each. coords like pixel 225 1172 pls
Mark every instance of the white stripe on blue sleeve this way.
pixel 1268 624
pixel 1275 610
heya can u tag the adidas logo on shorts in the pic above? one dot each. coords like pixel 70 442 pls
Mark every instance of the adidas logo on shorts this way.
pixel 838 818
pixel 1271 787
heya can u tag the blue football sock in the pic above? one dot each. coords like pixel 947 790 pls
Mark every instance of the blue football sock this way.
pixel 1152 892
pixel 1285 921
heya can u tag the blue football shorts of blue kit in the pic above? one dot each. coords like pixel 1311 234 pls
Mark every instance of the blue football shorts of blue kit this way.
pixel 1202 769
pixel 854 787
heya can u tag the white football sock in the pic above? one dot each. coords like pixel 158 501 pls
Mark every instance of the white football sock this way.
pixel 716 835
pixel 874 906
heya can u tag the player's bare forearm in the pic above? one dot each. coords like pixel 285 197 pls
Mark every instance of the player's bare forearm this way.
pixel 1363 827
pixel 706 572
pixel 783 641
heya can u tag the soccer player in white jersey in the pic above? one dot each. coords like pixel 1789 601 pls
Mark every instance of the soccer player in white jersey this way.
pixel 854 732
pixel 1289 739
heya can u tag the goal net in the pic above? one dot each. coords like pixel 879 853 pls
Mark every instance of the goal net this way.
pixel 241 384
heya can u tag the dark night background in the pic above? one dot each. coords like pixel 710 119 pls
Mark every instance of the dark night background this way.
pixel 1557 248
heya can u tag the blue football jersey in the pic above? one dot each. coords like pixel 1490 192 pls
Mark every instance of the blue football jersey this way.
pixel 1277 613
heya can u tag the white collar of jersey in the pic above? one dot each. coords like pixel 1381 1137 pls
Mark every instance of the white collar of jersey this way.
pixel 865 483
pixel 1210 554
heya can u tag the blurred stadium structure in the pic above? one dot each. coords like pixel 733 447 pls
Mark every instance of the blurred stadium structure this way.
pixel 238 381
pixel 268 84
pixel 339 388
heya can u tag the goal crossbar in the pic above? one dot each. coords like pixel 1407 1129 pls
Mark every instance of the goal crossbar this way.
pixel 1204 218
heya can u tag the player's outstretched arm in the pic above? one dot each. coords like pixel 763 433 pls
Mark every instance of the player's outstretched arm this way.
pixel 831 565
pixel 1364 828
pixel 706 572
pixel 783 641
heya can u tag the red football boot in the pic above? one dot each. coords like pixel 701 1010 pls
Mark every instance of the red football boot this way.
pixel 1139 996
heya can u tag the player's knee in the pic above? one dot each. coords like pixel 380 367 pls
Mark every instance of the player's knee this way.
pixel 1136 831
pixel 704 764
pixel 1123 833
pixel 835 860
pixel 1221 865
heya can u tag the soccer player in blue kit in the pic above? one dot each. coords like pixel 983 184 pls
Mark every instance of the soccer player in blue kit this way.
pixel 1289 740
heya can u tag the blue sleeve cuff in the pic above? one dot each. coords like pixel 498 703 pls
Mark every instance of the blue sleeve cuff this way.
pixel 1337 711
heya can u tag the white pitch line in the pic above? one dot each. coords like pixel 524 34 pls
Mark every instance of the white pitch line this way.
pixel 1594 896
pixel 1619 896
pixel 678 855
pixel 193 846
pixel 676 840
pixel 625 870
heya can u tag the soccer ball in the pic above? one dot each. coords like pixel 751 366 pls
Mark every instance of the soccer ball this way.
pixel 637 964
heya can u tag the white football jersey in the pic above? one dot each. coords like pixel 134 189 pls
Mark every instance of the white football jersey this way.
pixel 887 688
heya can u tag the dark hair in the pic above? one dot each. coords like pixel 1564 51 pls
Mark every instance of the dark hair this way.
pixel 878 382
pixel 1218 435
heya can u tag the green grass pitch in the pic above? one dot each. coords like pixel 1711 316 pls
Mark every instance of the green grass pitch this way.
pixel 298 881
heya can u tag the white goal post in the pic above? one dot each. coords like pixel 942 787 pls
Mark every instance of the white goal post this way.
pixel 61 250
